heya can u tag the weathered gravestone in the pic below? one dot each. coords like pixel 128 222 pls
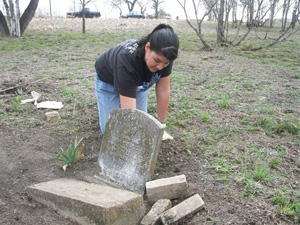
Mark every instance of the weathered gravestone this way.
pixel 129 148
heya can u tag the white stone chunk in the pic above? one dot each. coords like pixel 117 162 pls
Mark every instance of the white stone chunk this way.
pixel 153 215
pixel 182 210
pixel 166 188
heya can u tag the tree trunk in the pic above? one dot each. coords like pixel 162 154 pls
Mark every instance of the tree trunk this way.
pixel 155 7
pixel 83 16
pixel 272 11
pixel 18 28
pixel 234 9
pixel 130 5
pixel 4 30
pixel 294 16
pixel 12 18
pixel 210 17
pixel 250 13
pixel 220 30
pixel 28 15
pixel 286 8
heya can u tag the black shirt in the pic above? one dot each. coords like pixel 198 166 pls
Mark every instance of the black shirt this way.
pixel 126 71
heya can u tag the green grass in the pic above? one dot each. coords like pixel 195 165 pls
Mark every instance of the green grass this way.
pixel 205 117
pixel 261 173
pixel 289 202
pixel 285 126
pixel 68 91
pixel 16 105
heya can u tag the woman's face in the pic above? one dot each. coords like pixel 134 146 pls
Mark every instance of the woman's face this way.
pixel 155 61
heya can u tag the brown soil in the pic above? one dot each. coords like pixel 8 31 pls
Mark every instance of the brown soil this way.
pixel 29 143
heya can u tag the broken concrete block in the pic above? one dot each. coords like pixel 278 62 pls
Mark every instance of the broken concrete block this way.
pixel 89 203
pixel 52 116
pixel 182 210
pixel 166 188
pixel 153 215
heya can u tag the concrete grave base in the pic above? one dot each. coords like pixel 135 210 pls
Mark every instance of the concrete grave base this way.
pixel 89 203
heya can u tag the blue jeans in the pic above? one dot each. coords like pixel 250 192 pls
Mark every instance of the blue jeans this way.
pixel 108 99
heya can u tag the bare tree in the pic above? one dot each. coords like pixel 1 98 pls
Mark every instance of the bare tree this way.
pixel 143 5
pixel 285 10
pixel 220 30
pixel 234 13
pixel 197 25
pixel 295 16
pixel 229 6
pixel 117 4
pixel 212 6
pixel 83 4
pixel 4 30
pixel 284 36
pixel 15 25
pixel 253 10
pixel 155 6
pixel 273 4
pixel 252 20
pixel 130 4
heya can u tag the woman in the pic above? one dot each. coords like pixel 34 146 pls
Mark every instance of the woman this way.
pixel 125 73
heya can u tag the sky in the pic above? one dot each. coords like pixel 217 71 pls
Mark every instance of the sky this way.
pixel 60 7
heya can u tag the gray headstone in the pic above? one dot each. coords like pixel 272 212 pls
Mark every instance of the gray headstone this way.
pixel 129 148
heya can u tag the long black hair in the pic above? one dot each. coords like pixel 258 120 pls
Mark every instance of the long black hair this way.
pixel 163 40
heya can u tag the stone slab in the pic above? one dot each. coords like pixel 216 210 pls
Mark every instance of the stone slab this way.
pixel 168 188
pixel 129 148
pixel 182 210
pixel 158 208
pixel 89 203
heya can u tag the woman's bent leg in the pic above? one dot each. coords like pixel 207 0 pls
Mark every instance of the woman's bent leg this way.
pixel 107 100
pixel 142 100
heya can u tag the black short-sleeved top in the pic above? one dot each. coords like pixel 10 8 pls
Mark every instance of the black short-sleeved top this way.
pixel 126 71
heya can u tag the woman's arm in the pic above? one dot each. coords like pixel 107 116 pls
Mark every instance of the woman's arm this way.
pixel 127 102
pixel 162 97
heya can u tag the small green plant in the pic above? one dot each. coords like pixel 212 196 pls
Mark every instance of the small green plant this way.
pixel 68 91
pixel 267 110
pixel 296 77
pixel 72 155
pixel 261 173
pixel 225 102
pixel 188 148
pixel 16 105
pixel 287 126
pixel 251 187
pixel 275 162
pixel 221 166
pixel 279 200
pixel 80 67
pixel 205 117
pixel 266 123
pixel 289 202
pixel 248 86
pixel 182 123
